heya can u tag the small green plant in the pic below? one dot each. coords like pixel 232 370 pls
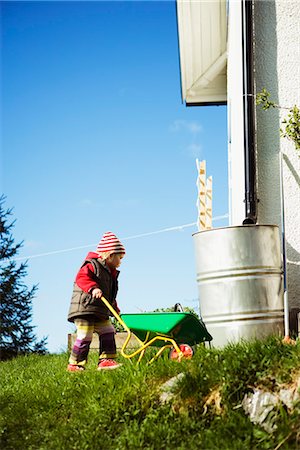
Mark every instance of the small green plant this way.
pixel 292 126
pixel 263 98
pixel 118 326
pixel 185 309
pixel 291 123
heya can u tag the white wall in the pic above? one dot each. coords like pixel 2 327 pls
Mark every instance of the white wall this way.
pixel 277 56
pixel 277 68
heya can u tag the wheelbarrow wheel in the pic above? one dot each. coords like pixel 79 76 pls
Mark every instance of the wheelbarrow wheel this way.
pixel 187 351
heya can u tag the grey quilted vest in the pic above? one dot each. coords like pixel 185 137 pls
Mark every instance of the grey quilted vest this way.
pixel 84 305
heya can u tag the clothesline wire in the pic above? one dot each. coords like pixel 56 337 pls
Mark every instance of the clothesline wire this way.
pixel 136 236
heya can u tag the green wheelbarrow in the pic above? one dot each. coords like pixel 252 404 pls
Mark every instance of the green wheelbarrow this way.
pixel 176 331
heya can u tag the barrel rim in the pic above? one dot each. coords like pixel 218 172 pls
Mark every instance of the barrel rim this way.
pixel 237 226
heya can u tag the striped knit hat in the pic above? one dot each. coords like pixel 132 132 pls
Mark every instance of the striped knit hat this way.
pixel 110 244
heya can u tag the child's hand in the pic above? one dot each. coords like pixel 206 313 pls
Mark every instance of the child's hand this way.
pixel 96 293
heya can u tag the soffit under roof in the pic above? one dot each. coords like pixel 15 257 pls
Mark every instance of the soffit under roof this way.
pixel 202 32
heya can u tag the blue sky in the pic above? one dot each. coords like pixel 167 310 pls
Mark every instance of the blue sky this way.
pixel 95 137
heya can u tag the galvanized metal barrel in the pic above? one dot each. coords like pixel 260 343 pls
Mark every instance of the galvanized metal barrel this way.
pixel 240 282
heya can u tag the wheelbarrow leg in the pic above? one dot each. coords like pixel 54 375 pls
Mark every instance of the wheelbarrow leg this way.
pixel 141 355
pixel 159 352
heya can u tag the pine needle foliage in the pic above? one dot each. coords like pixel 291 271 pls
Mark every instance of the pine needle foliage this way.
pixel 16 330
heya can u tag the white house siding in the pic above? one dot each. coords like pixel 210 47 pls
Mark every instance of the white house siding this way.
pixel 277 68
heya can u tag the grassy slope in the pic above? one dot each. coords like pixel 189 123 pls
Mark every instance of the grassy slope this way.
pixel 44 407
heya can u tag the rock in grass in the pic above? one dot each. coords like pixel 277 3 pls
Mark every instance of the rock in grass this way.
pixel 167 389
pixel 290 395
pixel 260 405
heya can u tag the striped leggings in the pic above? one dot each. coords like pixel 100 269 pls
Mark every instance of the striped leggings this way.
pixel 85 330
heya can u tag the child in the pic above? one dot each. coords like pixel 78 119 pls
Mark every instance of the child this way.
pixel 97 276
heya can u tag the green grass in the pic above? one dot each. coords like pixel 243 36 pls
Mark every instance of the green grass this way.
pixel 44 407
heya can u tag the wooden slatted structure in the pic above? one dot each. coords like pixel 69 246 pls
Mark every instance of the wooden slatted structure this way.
pixel 204 199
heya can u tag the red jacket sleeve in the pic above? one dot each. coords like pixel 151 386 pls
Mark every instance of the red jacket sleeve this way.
pixel 85 278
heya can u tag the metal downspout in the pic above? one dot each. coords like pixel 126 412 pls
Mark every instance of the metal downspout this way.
pixel 249 118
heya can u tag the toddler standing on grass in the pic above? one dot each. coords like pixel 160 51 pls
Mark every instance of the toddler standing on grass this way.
pixel 97 276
